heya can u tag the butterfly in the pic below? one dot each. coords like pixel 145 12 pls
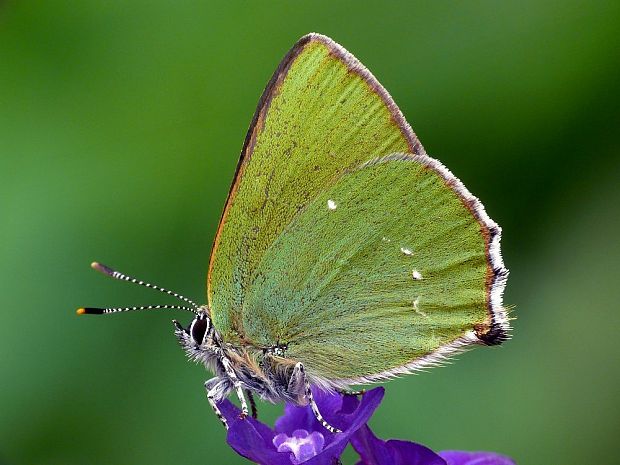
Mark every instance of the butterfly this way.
pixel 345 255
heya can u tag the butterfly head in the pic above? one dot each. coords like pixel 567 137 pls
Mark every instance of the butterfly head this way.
pixel 199 332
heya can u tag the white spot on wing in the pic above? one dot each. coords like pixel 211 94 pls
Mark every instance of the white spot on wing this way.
pixel 331 204
pixel 416 275
pixel 406 251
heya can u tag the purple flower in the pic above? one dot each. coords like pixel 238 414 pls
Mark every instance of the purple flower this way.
pixel 457 457
pixel 375 451
pixel 298 437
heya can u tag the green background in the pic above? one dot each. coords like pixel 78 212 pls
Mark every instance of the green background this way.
pixel 120 127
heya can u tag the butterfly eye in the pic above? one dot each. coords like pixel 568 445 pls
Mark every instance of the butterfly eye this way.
pixel 198 329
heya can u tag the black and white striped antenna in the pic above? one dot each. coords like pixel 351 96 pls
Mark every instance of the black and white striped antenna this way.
pixel 194 308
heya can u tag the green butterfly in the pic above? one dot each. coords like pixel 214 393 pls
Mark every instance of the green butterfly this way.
pixel 345 255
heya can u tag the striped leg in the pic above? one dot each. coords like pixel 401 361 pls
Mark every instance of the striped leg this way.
pixel 299 369
pixel 252 403
pixel 236 384
pixel 347 392
pixel 212 387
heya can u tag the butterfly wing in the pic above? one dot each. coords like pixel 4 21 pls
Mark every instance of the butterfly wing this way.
pixel 365 264
pixel 321 115
pixel 389 269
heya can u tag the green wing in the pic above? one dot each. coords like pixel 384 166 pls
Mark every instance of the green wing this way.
pixel 366 264
pixel 321 115
pixel 385 271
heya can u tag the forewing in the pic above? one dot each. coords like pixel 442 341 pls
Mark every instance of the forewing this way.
pixel 321 115
pixel 389 269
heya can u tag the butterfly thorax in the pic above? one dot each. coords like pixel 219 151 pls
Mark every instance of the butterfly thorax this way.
pixel 263 371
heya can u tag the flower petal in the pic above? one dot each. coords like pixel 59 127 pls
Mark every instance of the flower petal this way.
pixel 349 404
pixel 231 412
pixel 255 441
pixel 301 445
pixel 250 438
pixel 302 417
pixel 374 451
pixel 458 457
pixel 353 421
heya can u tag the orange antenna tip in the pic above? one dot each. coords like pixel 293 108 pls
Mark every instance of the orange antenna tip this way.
pixel 101 268
pixel 97 266
pixel 90 311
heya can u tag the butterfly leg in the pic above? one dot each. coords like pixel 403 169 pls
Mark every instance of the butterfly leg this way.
pixel 226 363
pixel 347 392
pixel 299 374
pixel 252 403
pixel 215 390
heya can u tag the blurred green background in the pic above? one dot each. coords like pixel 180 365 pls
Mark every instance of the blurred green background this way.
pixel 120 128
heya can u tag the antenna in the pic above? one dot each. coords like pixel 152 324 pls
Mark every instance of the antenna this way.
pixel 103 311
pixel 122 277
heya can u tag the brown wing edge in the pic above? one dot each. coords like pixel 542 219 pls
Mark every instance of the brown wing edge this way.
pixel 355 66
pixel 493 332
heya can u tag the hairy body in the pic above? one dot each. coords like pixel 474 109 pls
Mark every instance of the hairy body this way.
pixel 265 372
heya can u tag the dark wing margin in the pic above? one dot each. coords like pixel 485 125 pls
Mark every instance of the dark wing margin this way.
pixel 498 328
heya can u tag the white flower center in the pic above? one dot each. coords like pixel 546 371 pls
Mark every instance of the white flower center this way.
pixel 302 445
